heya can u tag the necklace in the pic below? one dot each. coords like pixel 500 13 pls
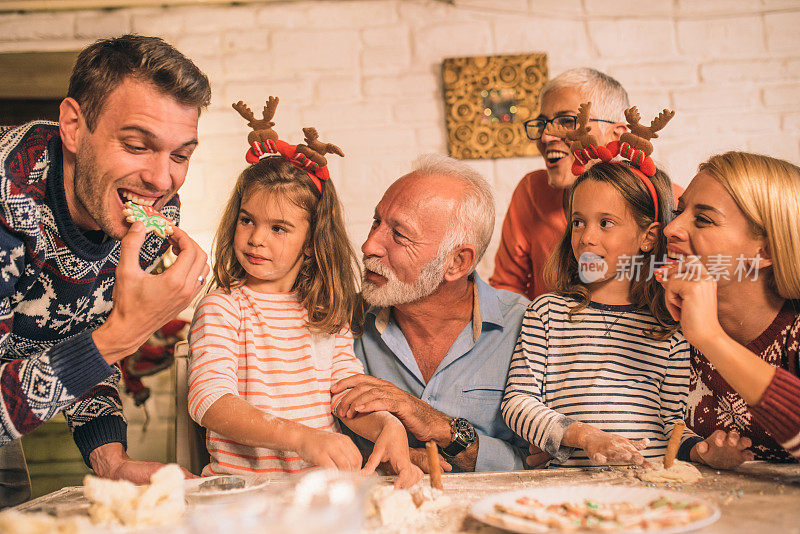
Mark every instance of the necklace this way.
pixel 610 326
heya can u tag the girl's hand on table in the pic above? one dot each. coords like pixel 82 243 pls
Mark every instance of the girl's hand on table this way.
pixel 605 448
pixel 392 446
pixel 722 450
pixel 329 449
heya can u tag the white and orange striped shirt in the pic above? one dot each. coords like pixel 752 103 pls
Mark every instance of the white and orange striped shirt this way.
pixel 259 346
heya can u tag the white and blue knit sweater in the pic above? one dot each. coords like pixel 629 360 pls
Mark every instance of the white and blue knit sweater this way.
pixel 55 289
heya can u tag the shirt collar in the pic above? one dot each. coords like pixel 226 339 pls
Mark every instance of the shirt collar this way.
pixel 485 309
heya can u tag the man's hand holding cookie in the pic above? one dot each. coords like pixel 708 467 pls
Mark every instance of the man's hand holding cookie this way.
pixel 144 302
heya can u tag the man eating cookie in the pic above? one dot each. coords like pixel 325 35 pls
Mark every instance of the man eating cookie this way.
pixel 75 294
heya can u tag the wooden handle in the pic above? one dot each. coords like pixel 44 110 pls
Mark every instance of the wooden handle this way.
pixel 674 443
pixel 434 467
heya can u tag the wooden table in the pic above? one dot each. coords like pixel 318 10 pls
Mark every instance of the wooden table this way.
pixel 758 497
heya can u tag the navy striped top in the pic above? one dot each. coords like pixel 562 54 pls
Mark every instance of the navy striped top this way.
pixel 598 368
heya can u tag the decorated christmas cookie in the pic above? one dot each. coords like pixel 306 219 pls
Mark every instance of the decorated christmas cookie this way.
pixel 153 221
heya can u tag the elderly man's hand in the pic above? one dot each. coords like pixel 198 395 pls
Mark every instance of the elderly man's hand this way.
pixel 419 457
pixel 392 447
pixel 111 461
pixel 537 459
pixel 369 394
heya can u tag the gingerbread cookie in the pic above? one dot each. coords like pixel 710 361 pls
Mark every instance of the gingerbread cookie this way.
pixel 153 221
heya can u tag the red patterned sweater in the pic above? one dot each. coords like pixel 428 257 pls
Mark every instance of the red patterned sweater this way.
pixel 56 288
pixel 774 424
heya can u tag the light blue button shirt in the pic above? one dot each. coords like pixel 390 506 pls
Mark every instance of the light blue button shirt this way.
pixel 469 381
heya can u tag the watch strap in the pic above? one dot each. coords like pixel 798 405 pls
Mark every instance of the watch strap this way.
pixel 460 441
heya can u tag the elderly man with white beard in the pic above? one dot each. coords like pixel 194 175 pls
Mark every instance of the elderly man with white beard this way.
pixel 437 340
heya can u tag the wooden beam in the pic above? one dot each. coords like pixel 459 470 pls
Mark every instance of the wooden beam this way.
pixel 73 5
pixel 35 74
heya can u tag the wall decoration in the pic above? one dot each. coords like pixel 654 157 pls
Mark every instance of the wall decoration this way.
pixel 487 98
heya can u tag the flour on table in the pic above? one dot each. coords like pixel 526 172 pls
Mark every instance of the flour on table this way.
pixel 120 502
pixel 14 522
pixel 679 473
pixel 401 506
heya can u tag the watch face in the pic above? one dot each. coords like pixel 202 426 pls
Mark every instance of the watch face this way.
pixel 464 430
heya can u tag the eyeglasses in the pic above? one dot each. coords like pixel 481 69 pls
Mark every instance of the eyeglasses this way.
pixel 535 128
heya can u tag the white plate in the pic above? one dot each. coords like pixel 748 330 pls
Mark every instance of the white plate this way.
pixel 192 486
pixel 484 510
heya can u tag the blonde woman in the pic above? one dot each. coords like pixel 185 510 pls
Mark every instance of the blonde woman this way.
pixel 738 226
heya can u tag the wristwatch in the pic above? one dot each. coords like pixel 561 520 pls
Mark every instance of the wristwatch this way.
pixel 463 436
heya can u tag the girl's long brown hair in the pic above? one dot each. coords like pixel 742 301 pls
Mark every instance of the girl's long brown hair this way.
pixel 561 270
pixel 326 283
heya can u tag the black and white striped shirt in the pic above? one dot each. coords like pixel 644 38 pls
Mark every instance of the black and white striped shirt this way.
pixel 598 368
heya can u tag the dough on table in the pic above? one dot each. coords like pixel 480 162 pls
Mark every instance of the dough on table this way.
pixel 679 473
pixel 398 506
pixel 120 502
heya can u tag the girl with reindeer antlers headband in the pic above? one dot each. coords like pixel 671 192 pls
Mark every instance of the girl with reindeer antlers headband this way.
pixel 601 373
pixel 535 219
pixel 272 335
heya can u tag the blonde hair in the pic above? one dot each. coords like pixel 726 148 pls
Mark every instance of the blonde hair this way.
pixel 327 283
pixel 767 190
pixel 561 269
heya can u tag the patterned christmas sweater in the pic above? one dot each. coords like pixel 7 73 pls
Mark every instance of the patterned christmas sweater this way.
pixel 56 283
pixel 774 423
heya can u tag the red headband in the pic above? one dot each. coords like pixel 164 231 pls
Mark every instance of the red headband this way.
pixel 270 148
pixel 641 164
pixel 309 158
pixel 648 183
pixel 633 145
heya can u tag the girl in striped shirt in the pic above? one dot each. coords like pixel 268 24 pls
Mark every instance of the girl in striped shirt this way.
pixel 272 336
pixel 600 373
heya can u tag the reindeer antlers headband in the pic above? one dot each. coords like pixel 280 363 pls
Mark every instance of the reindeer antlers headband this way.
pixel 634 145
pixel 264 141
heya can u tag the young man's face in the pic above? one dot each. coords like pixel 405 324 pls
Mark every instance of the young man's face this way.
pixel 139 150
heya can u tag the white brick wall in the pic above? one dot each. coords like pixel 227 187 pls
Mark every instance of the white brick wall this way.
pixel 367 74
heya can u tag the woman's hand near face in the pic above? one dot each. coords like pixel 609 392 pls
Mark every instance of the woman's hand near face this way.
pixel 691 299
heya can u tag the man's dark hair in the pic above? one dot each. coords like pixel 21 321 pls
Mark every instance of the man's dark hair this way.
pixel 104 65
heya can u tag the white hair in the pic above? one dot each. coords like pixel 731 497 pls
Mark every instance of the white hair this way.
pixel 394 292
pixel 609 99
pixel 473 220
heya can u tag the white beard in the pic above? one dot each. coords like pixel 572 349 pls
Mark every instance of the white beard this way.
pixel 395 292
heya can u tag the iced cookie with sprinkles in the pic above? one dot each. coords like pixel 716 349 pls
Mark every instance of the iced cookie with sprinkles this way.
pixel 153 221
